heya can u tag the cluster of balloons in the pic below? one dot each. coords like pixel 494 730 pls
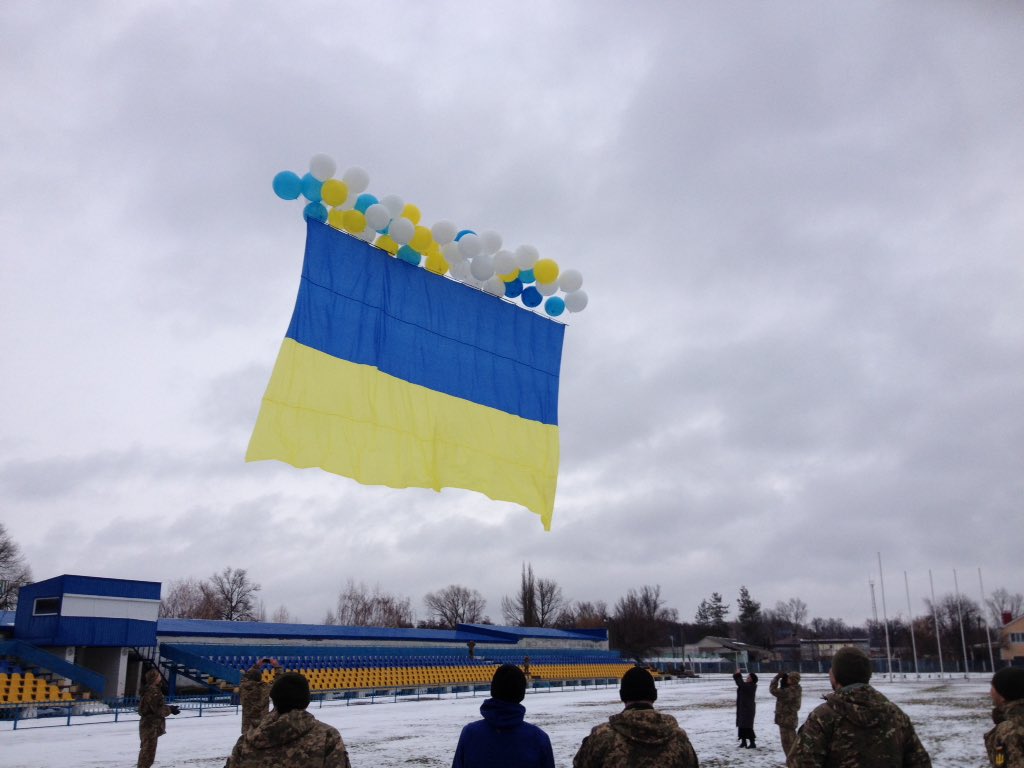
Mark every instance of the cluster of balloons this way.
pixel 472 257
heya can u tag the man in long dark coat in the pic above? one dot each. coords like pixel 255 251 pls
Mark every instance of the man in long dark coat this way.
pixel 746 708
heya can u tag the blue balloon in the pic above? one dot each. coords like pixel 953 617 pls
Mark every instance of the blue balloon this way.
pixel 406 253
pixel 526 275
pixel 287 185
pixel 531 297
pixel 311 188
pixel 554 306
pixel 464 232
pixel 315 211
pixel 513 288
pixel 364 201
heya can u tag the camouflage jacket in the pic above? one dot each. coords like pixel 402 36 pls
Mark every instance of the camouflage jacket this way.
pixel 638 737
pixel 153 710
pixel 254 695
pixel 857 726
pixel 787 700
pixel 295 739
pixel 1005 742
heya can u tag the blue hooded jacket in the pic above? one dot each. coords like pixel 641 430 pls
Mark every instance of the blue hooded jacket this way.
pixel 503 740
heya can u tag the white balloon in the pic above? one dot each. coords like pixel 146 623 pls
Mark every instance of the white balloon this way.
pixel 469 244
pixel 504 262
pixel 452 254
pixel 402 231
pixel 547 289
pixel 482 267
pixel 526 256
pixel 322 167
pixel 357 180
pixel 490 241
pixel 570 280
pixel 377 216
pixel 367 234
pixel 494 286
pixel 460 270
pixel 443 231
pixel 394 204
pixel 576 301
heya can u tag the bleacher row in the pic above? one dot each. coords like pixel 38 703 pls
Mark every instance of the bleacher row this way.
pixel 21 686
pixel 356 668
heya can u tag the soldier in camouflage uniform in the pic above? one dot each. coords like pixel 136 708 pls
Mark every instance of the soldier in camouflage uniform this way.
pixel 153 711
pixel 1005 742
pixel 785 687
pixel 255 694
pixel 857 726
pixel 639 736
pixel 289 737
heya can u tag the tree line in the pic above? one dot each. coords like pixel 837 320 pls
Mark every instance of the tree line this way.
pixel 638 622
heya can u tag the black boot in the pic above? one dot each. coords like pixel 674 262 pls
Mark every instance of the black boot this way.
pixel 753 744
pixel 743 743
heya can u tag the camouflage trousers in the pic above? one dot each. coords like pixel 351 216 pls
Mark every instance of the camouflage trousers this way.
pixel 788 736
pixel 147 746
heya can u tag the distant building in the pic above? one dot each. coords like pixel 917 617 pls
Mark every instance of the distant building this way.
pixel 1011 640
pixel 824 649
pixel 733 650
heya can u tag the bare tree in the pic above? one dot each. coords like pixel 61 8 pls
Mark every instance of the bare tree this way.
pixel 189 598
pixel 520 610
pixel 235 595
pixel 788 616
pixel 550 602
pixel 359 607
pixel 455 605
pixel 281 616
pixel 641 621
pixel 14 570
pixel 583 615
pixel 1002 601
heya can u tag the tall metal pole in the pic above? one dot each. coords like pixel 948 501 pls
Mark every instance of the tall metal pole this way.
pixel 960 616
pixel 988 632
pixel 935 615
pixel 910 619
pixel 885 616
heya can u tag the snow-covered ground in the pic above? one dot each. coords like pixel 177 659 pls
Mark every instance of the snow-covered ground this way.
pixel 950 717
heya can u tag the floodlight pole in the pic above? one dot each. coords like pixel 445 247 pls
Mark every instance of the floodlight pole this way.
pixel 935 615
pixel 988 632
pixel 960 616
pixel 910 619
pixel 885 618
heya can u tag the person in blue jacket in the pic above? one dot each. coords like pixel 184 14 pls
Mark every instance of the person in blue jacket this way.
pixel 503 739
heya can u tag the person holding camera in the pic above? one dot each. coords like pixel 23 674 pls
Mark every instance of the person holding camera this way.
pixel 254 694
pixel 785 687
pixel 153 711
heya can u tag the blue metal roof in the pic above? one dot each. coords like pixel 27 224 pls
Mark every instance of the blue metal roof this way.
pixel 166 628
pixel 514 634
pixel 99 586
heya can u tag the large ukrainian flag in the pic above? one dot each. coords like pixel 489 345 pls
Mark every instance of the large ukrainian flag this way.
pixel 392 375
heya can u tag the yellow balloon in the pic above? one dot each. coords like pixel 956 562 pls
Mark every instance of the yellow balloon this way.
pixel 353 221
pixel 387 243
pixel 434 249
pixel 421 239
pixel 410 212
pixel 510 276
pixel 336 218
pixel 334 192
pixel 437 264
pixel 546 271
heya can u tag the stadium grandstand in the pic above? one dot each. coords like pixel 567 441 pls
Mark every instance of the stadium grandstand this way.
pixel 83 639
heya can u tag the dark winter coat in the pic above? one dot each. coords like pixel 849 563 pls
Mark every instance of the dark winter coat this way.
pixel 503 740
pixel 855 727
pixel 746 702
pixel 638 737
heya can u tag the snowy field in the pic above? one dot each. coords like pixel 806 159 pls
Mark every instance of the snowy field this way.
pixel 950 717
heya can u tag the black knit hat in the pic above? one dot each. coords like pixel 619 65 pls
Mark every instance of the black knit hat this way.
pixel 637 685
pixel 1009 683
pixel 290 691
pixel 851 665
pixel 508 684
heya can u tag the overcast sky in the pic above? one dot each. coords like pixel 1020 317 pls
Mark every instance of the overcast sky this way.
pixel 800 225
